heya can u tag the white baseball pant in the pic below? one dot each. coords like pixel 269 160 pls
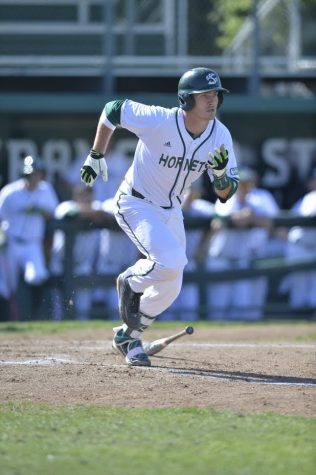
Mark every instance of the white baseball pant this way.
pixel 160 236
pixel 28 258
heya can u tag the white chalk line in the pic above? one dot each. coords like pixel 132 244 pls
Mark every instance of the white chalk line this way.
pixel 193 373
pixel 49 360
pixel 286 346
pixel 289 346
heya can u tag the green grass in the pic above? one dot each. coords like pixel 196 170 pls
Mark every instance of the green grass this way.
pixel 311 337
pixel 84 440
pixel 50 327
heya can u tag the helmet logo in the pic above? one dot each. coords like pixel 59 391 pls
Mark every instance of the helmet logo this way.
pixel 28 165
pixel 211 78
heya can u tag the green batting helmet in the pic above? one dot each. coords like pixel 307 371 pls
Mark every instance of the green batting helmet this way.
pixel 195 81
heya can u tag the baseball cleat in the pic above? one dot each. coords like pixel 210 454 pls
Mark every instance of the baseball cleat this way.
pixel 128 302
pixel 130 348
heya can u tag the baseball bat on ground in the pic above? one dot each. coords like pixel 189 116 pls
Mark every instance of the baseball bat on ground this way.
pixel 158 345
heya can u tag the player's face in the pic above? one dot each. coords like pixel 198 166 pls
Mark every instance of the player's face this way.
pixel 34 179
pixel 206 105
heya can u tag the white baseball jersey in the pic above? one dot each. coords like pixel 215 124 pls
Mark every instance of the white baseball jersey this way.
pixel 25 232
pixel 306 236
pixel 84 255
pixel 167 159
pixel 243 243
pixel 15 199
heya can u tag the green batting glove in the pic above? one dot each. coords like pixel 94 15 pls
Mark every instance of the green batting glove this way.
pixel 33 209
pixel 218 161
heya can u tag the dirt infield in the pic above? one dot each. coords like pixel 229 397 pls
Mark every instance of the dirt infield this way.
pixel 251 368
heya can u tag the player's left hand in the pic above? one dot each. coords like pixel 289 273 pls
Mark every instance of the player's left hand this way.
pixel 93 167
pixel 218 161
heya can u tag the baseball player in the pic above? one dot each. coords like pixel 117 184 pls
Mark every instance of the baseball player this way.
pixel 175 147
pixel 25 205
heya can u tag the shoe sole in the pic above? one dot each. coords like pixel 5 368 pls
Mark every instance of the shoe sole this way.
pixel 138 363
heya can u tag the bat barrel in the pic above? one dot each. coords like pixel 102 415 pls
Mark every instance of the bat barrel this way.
pixel 189 330
pixel 158 345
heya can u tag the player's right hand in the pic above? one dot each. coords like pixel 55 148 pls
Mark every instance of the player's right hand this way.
pixel 93 167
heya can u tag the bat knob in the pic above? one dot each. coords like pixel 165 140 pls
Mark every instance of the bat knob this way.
pixel 189 330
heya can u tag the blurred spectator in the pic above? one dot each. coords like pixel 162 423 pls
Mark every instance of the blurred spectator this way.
pixel 239 234
pixel 25 205
pixel 85 251
pixel 301 245
pixel 309 186
pixel 8 307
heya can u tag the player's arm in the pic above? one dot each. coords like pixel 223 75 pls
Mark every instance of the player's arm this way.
pixel 95 163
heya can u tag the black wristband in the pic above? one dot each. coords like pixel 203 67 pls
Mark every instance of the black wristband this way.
pixel 95 154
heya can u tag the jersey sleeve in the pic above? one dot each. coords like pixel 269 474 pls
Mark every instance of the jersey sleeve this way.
pixel 133 116
pixel 140 118
pixel 308 204
pixel 3 201
pixel 66 208
pixel 111 115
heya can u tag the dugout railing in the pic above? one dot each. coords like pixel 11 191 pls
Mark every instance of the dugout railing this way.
pixel 273 268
